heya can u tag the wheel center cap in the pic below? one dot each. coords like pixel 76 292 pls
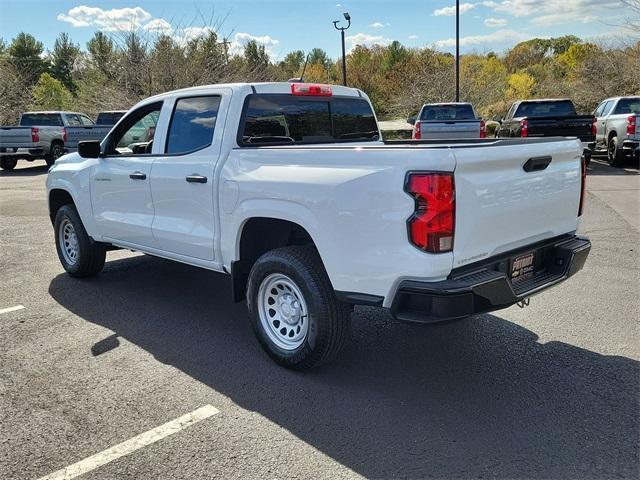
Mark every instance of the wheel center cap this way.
pixel 289 309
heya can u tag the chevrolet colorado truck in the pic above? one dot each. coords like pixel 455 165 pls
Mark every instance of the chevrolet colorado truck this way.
pixel 289 190
pixel 437 121
pixel 45 135
pixel 617 128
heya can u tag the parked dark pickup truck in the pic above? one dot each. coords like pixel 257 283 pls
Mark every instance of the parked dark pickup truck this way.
pixel 547 118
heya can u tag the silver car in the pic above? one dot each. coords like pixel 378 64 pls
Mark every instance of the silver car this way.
pixel 616 128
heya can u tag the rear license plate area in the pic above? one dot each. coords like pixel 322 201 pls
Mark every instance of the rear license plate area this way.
pixel 522 266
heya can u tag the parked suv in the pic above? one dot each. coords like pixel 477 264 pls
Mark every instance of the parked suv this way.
pixel 617 129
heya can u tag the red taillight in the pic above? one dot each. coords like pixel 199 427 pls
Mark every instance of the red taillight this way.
pixel 35 136
pixel 483 129
pixel 64 135
pixel 311 90
pixel 524 128
pixel 583 184
pixel 594 126
pixel 631 125
pixel 417 133
pixel 432 225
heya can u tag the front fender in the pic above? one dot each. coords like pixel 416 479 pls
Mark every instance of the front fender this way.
pixel 74 179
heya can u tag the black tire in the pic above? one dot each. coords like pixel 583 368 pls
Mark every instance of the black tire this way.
pixel 8 163
pixel 329 319
pixel 614 153
pixel 55 152
pixel 90 256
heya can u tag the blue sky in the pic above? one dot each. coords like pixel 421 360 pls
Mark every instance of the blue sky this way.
pixel 286 25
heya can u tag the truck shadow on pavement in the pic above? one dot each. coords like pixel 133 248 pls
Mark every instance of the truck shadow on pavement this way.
pixel 30 171
pixel 476 398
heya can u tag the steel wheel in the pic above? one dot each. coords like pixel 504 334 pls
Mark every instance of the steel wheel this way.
pixel 68 242
pixel 283 311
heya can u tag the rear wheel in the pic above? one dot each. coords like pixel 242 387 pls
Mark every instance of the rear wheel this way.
pixel 8 163
pixel 293 309
pixel 79 256
pixel 55 152
pixel 614 152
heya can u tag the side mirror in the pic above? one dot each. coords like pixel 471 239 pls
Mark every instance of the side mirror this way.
pixel 89 149
pixel 497 118
pixel 411 120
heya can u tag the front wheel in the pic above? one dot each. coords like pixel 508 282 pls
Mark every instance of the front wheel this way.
pixel 78 254
pixel 293 308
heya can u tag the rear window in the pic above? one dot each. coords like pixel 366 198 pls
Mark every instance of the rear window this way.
pixel 545 109
pixel 628 106
pixel 41 119
pixel 109 118
pixel 284 119
pixel 447 113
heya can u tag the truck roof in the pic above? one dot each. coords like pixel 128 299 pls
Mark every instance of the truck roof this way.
pixel 437 104
pixel 261 87
pixel 49 112
pixel 545 100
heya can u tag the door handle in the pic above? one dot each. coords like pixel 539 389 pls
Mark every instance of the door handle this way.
pixel 195 178
pixel 537 164
pixel 138 176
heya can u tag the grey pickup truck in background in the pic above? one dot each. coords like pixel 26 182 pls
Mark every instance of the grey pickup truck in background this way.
pixel 46 135
pixel 439 121
pixel 617 128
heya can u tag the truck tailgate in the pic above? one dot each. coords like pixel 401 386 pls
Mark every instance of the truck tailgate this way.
pixel 15 137
pixel 450 129
pixel 500 206
pixel 80 134
pixel 568 126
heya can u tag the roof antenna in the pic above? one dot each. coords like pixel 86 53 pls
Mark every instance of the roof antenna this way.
pixel 299 80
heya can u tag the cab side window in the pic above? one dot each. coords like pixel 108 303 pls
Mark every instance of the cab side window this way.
pixel 192 124
pixel 134 136
pixel 607 108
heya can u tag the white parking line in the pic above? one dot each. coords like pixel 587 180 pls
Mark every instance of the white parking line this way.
pixel 133 444
pixel 11 309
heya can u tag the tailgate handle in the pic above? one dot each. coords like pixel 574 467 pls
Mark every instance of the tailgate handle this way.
pixel 536 164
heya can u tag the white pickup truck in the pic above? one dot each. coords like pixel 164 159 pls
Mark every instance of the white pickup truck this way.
pixel 288 189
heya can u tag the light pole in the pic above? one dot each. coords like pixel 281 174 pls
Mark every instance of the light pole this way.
pixel 457 50
pixel 347 17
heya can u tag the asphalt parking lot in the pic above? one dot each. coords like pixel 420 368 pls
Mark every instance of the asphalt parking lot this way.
pixel 549 391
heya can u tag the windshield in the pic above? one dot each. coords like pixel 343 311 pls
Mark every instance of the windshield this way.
pixel 275 118
pixel 41 119
pixel 109 118
pixel 447 113
pixel 558 108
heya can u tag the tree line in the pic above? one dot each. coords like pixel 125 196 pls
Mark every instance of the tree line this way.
pixel 115 71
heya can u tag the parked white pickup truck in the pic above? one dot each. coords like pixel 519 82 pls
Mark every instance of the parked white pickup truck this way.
pixel 289 190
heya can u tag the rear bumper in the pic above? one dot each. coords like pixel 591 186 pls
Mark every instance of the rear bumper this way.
pixel 631 148
pixel 26 153
pixel 486 287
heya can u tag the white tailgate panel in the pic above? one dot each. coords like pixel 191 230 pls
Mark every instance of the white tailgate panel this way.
pixel 500 207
